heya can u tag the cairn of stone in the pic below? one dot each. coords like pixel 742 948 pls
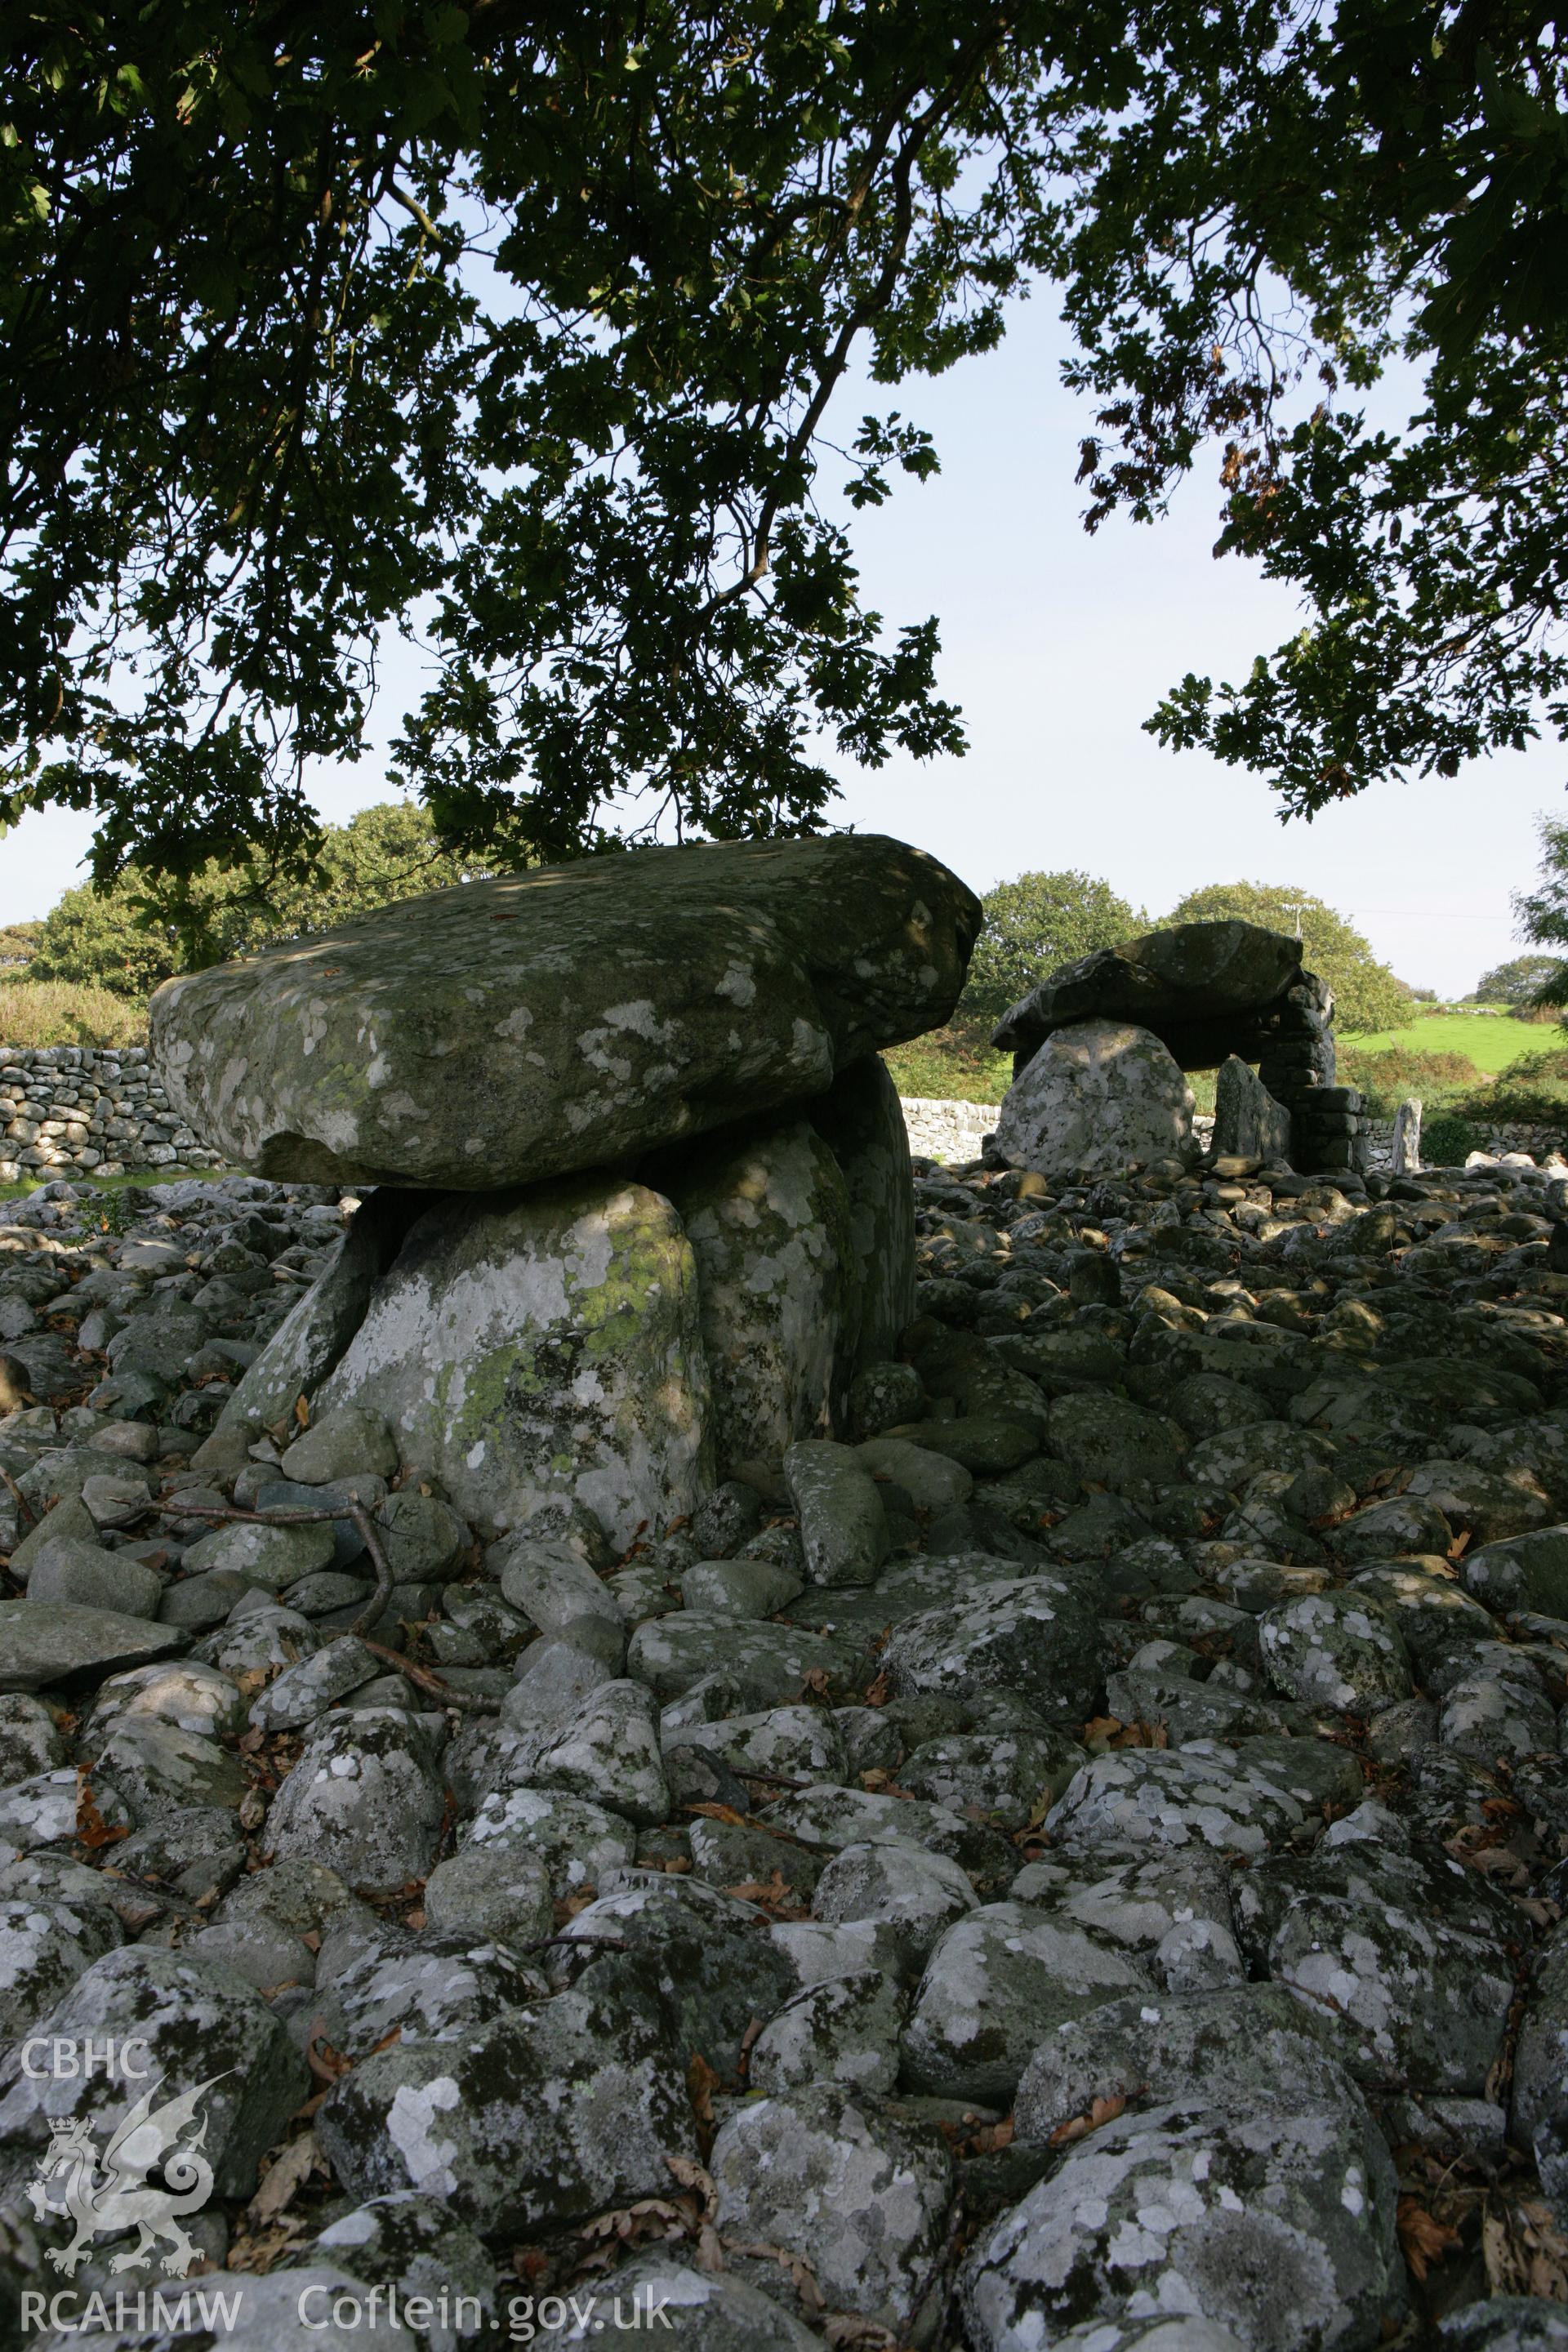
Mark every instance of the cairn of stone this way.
pixel 1077 1862
pixel 1209 993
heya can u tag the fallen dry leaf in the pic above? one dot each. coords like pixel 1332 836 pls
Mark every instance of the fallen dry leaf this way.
pixel 802 2277
pixel 632 2221
pixel 692 2175
pixel 1424 2241
pixel 701 2081
pixel 92 1830
pixel 773 1895
pixel 991 2138
pixel 255 2253
pixel 710 2248
pixel 1524 2252
pixel 287 2174
pixel 1101 2111
pixel 325 2062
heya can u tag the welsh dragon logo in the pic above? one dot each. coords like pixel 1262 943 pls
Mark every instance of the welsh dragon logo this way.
pixel 104 2197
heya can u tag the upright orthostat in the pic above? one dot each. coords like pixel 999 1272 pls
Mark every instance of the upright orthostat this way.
pixel 501 1032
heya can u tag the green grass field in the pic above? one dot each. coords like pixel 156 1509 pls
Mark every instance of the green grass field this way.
pixel 1491 1040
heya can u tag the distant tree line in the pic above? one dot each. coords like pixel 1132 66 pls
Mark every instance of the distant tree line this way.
pixel 148 926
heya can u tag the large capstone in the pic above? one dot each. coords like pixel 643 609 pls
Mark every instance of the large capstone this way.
pixel 1098 1099
pixel 542 1346
pixel 506 1031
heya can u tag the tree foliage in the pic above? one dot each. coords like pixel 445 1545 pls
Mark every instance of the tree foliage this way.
pixel 17 941
pixel 523 328
pixel 1541 913
pixel 528 320
pixel 1367 996
pixel 1519 980
pixel 147 926
pixel 1032 924
pixel 1375 186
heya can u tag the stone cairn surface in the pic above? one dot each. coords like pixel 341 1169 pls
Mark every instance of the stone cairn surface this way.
pixel 1069 1854
pixel 1208 993
pixel 66 1109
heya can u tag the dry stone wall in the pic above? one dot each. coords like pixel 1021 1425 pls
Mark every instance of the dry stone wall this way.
pixel 1539 1143
pixel 87 1110
pixel 951 1131
pixel 954 1131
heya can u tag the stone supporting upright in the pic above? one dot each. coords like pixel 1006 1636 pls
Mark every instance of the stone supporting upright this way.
pixel 1407 1138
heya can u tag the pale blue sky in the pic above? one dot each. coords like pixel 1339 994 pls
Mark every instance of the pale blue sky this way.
pixel 1057 645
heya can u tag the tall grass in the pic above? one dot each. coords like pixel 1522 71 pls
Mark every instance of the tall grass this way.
pixel 64 1013
pixel 950 1065
pixel 1387 1075
pixel 1532 1092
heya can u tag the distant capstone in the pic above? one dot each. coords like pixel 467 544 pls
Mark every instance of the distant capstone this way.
pixel 1192 973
